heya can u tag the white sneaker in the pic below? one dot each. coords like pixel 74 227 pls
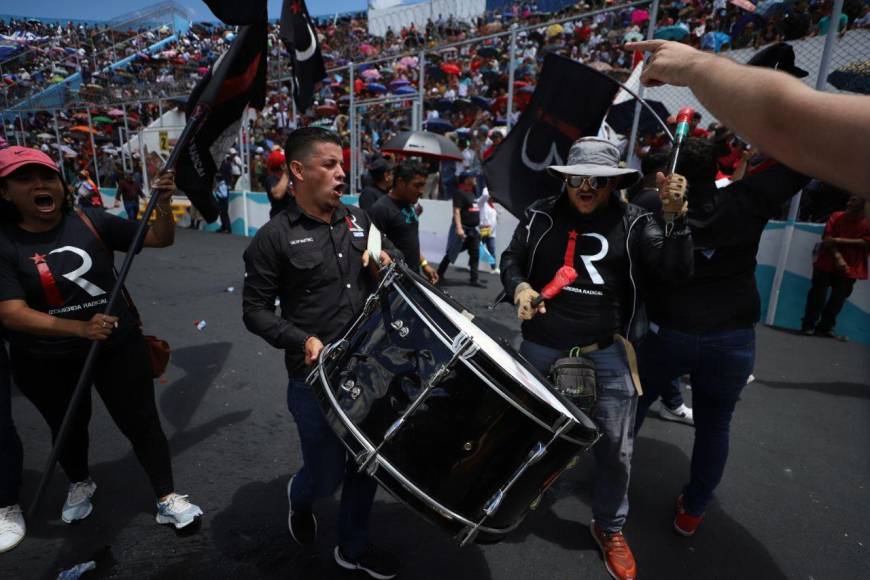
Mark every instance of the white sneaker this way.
pixel 78 504
pixel 496 271
pixel 11 527
pixel 176 510
pixel 681 414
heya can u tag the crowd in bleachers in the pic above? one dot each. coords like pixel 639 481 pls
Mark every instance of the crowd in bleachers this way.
pixel 466 87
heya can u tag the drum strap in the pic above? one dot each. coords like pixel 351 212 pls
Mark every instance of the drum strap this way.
pixel 631 357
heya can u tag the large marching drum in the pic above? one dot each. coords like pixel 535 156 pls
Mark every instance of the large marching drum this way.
pixel 454 424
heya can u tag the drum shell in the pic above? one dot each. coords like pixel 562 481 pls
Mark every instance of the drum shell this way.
pixel 470 435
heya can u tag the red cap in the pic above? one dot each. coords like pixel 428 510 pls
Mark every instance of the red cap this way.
pixel 15 157
pixel 275 160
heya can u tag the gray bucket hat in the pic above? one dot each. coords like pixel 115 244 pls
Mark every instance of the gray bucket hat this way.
pixel 595 157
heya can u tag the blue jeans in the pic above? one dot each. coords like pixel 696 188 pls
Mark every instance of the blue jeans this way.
pixel 614 416
pixel 719 364
pixel 11 454
pixel 326 465
pixel 132 209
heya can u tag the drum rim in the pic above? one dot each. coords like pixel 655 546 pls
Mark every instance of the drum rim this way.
pixel 474 369
pixel 385 463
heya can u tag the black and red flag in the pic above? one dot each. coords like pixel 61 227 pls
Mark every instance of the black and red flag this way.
pixel 570 102
pixel 238 11
pixel 236 81
pixel 300 38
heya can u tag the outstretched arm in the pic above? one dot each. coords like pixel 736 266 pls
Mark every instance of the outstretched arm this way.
pixel 825 135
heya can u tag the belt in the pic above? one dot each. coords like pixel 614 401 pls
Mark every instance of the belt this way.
pixel 600 345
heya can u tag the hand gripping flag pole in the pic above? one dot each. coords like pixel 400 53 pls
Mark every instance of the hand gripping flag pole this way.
pixel 221 82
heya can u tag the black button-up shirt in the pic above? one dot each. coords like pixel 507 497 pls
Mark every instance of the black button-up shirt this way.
pixel 316 270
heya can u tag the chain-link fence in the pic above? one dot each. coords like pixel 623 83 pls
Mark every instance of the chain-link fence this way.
pixel 850 47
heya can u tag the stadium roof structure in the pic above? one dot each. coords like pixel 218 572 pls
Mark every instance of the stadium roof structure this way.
pixel 152 16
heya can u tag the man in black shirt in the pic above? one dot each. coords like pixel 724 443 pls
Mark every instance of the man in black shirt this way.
pixel 614 248
pixel 466 219
pixel 704 327
pixel 314 257
pixel 381 174
pixel 395 216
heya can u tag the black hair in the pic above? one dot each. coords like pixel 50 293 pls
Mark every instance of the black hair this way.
pixel 697 161
pixel 9 213
pixel 407 169
pixel 655 161
pixel 299 142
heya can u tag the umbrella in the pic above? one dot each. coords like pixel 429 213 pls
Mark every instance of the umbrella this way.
pixel 376 88
pixel 405 91
pixel 326 110
pixel 622 115
pixel 715 41
pixel 632 36
pixel 438 126
pixel 67 151
pixel 83 129
pixel 674 32
pixel 488 52
pixel 399 83
pixel 481 102
pixel 102 120
pixel 854 77
pixel 770 8
pixel 442 105
pixel 554 30
pixel 423 144
pixel 44 136
pixel 450 69
pixel 371 74
pixel 115 113
pixel 408 61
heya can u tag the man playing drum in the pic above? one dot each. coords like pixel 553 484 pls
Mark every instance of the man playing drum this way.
pixel 313 257
pixel 614 248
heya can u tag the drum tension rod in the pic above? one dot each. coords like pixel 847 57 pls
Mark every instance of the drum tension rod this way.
pixel 463 343
pixel 492 505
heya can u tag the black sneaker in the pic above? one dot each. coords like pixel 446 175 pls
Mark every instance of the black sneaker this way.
pixel 302 523
pixel 807 330
pixel 375 562
pixel 477 283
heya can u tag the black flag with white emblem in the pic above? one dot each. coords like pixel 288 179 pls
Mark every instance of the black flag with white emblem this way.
pixel 570 102
pixel 300 38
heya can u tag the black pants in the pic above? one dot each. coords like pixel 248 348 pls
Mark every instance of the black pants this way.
pixel 224 206
pixel 841 289
pixel 471 244
pixel 11 454
pixel 122 376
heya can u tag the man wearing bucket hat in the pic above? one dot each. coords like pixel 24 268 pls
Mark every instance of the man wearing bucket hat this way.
pixel 614 248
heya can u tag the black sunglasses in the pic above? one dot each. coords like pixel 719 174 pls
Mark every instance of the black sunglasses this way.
pixel 594 182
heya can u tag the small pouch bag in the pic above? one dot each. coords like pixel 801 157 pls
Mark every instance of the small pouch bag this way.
pixel 575 378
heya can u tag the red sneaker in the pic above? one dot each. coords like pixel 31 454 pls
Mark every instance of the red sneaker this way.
pixel 684 522
pixel 618 558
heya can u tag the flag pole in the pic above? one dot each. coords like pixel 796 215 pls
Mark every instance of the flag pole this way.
pixel 196 119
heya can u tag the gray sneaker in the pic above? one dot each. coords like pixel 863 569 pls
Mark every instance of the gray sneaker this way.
pixel 176 510
pixel 78 504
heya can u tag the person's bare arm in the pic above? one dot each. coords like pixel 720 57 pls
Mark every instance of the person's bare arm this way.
pixel 17 315
pixel 280 188
pixel 457 221
pixel 825 135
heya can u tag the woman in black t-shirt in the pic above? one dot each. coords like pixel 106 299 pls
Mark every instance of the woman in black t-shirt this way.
pixel 56 272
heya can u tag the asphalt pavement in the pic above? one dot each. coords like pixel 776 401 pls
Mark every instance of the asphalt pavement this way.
pixel 794 502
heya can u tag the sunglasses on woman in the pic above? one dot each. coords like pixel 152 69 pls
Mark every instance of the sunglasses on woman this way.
pixel 594 182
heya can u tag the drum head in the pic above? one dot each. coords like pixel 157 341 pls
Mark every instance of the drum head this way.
pixel 511 362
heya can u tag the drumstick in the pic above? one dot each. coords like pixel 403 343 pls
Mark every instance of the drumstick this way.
pixel 564 276
pixel 683 117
